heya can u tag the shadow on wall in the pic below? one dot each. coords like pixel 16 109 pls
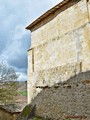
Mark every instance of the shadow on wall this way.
pixel 66 100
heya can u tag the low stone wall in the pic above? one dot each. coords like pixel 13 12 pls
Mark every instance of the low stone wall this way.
pixel 54 75
pixel 50 77
pixel 67 100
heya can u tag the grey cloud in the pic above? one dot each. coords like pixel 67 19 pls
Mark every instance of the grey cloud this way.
pixel 2 44
pixel 14 39
pixel 18 58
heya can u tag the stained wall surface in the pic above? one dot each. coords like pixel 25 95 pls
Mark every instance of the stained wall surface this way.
pixel 70 48
pixel 60 48
pixel 66 21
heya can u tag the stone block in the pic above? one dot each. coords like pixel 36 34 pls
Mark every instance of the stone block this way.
pixel 30 61
pixel 64 22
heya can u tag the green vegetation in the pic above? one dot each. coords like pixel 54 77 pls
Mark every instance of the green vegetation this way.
pixel 8 84
pixel 26 111
pixel 24 93
pixel 8 92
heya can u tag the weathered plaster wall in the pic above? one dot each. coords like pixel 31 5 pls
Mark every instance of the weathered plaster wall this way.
pixel 66 101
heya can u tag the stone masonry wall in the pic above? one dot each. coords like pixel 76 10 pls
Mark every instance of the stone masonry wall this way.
pixel 85 48
pixel 68 100
pixel 55 75
pixel 63 41
pixel 66 21
pixel 72 47
pixel 30 62
pixel 88 9
pixel 50 77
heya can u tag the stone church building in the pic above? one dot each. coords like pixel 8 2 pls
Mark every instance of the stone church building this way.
pixel 60 45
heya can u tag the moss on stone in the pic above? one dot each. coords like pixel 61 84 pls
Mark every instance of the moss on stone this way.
pixel 26 111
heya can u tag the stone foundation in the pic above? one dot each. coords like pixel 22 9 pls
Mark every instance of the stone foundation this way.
pixel 66 100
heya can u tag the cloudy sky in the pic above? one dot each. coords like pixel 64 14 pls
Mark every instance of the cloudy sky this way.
pixel 15 15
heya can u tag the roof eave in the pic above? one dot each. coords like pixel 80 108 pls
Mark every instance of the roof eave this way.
pixel 29 27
